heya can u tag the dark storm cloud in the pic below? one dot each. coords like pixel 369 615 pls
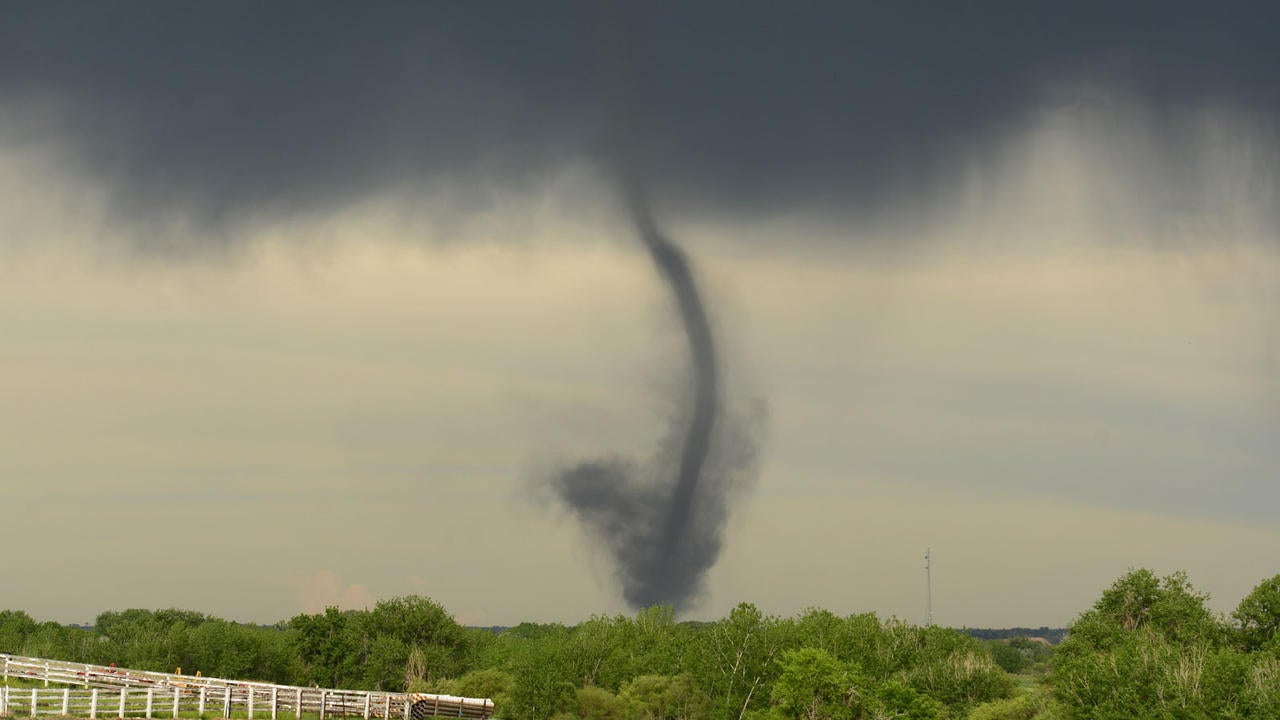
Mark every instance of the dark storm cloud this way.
pixel 221 108
pixel 218 108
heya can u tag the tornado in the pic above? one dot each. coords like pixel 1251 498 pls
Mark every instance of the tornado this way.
pixel 661 521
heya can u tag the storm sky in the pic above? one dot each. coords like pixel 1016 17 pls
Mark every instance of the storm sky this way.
pixel 299 302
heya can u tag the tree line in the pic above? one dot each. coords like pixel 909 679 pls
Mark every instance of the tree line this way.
pixel 1149 648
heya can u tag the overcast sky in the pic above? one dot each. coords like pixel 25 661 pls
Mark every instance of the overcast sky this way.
pixel 300 304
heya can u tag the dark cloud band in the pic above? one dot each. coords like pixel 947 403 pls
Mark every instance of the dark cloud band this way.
pixel 220 108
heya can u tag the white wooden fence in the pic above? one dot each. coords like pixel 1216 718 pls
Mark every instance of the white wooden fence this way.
pixel 112 692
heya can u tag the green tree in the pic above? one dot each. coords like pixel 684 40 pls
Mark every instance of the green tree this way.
pixel 665 697
pixel 51 640
pixel 899 700
pixel 486 683
pixel 15 626
pixel 1260 695
pixel 611 650
pixel 416 621
pixel 812 685
pixel 951 667
pixel 1168 606
pixel 596 703
pixel 325 646
pixel 603 650
pixel 1009 658
pixel 1149 648
pixel 385 664
pixel 661 644
pixel 735 660
pixel 541 662
pixel 1258 616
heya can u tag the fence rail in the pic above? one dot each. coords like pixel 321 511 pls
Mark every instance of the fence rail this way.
pixel 108 691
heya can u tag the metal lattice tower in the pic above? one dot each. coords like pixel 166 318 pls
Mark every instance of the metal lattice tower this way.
pixel 928 589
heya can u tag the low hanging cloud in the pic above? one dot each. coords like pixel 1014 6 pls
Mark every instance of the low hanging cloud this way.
pixel 225 111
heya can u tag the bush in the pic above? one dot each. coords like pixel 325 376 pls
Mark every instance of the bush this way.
pixel 1261 694
pixel 665 697
pixel 599 704
pixel 1009 658
pixel 1023 707
pixel 490 683
pixel 897 700
pixel 961 680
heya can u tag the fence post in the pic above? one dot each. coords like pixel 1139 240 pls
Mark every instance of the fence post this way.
pixel 46 673
pixel 297 707
pixel 34 693
pixel 322 698
pixel 176 693
pixel 408 707
pixel 226 703
pixel 204 690
pixel 123 691
pixel 366 706
pixel 275 698
pixel 151 693
pixel 386 712
pixel 66 699
pixel 6 670
pixel 251 689
pixel 93 704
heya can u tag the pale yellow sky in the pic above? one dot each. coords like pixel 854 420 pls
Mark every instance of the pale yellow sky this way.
pixel 1048 381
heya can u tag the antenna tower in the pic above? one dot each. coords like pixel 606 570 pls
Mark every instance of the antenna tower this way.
pixel 928 590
